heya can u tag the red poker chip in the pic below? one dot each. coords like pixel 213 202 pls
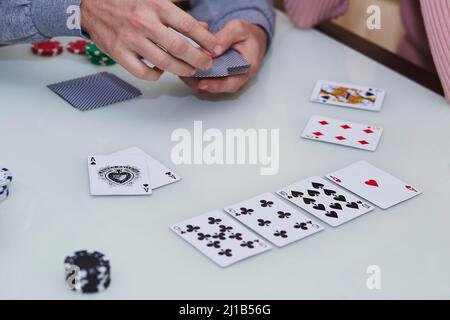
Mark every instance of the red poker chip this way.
pixel 77 46
pixel 47 48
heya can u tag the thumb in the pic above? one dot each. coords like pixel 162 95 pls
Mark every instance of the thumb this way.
pixel 232 33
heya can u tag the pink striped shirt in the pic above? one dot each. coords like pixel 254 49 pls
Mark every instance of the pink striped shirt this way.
pixel 426 42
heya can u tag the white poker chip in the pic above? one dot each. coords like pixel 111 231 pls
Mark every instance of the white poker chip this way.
pixel 5 177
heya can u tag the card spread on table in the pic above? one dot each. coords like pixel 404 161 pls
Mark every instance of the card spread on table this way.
pixel 273 219
pixel 220 238
pixel 348 95
pixel 119 175
pixel 159 174
pixel 325 200
pixel 373 184
pixel 95 91
pixel 231 63
pixel 346 133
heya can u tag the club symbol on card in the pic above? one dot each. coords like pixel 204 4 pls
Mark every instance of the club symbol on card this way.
pixel 190 228
pixel 171 175
pixel 266 204
pixel 213 244
pixel 212 220
pixel 302 226
pixel 245 211
pixel 203 236
pixel 226 253
pixel 372 183
pixel 119 175
pixel 237 236
pixel 247 244
pixel 220 236
pixel 223 228
pixel 263 223
pixel 283 215
pixel 281 234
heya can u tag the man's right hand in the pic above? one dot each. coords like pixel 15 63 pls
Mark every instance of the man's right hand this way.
pixel 127 30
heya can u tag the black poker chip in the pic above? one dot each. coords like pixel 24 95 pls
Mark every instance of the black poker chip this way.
pixel 87 271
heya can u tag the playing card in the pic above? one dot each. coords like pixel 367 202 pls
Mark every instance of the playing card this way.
pixel 325 200
pixel 159 174
pixel 231 63
pixel 220 238
pixel 119 175
pixel 373 184
pixel 94 91
pixel 273 219
pixel 348 95
pixel 346 133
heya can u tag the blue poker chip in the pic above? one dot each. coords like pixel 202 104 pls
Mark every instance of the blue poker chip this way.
pixel 5 177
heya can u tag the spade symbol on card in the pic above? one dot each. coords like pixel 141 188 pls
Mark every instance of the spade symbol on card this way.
pixel 336 206
pixel 319 207
pixel 332 214
pixel 296 194
pixel 317 185
pixel 170 175
pixel 93 161
pixel 308 200
pixel 352 205
pixel 146 187
pixel 313 193
pixel 329 192
pixel 340 198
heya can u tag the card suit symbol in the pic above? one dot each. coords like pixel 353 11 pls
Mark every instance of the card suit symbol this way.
pixel 265 203
pixel 247 244
pixel 340 198
pixel 411 188
pixel 336 179
pixel 336 206
pixel 313 193
pixel 191 228
pixel 345 127
pixel 352 205
pixel 308 200
pixel 317 133
pixel 214 244
pixel 302 226
pixel 145 185
pixel 223 228
pixel 245 211
pixel 283 215
pixel 323 123
pixel 263 223
pixel 341 138
pixel 332 214
pixel 120 177
pixel 296 194
pixel 212 220
pixel 329 192
pixel 203 236
pixel 237 236
pixel 317 185
pixel 93 163
pixel 363 142
pixel 226 253
pixel 220 236
pixel 319 207
pixel 369 94
pixel 368 131
pixel 282 234
pixel 372 183
pixel 170 175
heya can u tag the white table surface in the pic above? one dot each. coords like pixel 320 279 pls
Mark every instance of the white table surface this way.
pixel 50 213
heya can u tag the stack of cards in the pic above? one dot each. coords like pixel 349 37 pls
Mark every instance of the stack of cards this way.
pixel 127 172
pixel 225 242
pixel 231 63
pixel 95 91
pixel 348 95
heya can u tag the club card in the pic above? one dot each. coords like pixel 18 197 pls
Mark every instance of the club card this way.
pixel 231 63
pixel 345 133
pixel 95 91
pixel 159 174
pixel 220 238
pixel 273 219
pixel 119 175
pixel 348 95
pixel 373 184
pixel 325 200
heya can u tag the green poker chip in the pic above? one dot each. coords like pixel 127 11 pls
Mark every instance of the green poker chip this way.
pixel 97 56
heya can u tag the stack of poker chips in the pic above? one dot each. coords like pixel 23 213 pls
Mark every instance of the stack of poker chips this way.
pixel 5 182
pixel 87 271
pixel 97 56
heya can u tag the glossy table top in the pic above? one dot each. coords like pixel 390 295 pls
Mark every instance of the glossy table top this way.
pixel 45 142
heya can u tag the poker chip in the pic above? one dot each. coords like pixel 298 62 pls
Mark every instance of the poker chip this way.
pixel 47 48
pixel 97 56
pixel 5 177
pixel 87 271
pixel 77 46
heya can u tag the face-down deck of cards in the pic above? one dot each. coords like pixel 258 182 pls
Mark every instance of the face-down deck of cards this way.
pixel 224 237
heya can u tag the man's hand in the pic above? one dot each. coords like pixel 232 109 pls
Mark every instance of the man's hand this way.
pixel 129 29
pixel 250 41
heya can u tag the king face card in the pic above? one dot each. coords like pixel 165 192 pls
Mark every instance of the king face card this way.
pixel 341 132
pixel 220 238
pixel 373 184
pixel 326 201
pixel 119 175
pixel 273 219
pixel 348 95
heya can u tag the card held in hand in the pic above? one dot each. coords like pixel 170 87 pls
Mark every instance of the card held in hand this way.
pixel 220 238
pixel 231 63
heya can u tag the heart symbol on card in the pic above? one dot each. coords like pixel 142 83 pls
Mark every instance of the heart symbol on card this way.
pixel 371 183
